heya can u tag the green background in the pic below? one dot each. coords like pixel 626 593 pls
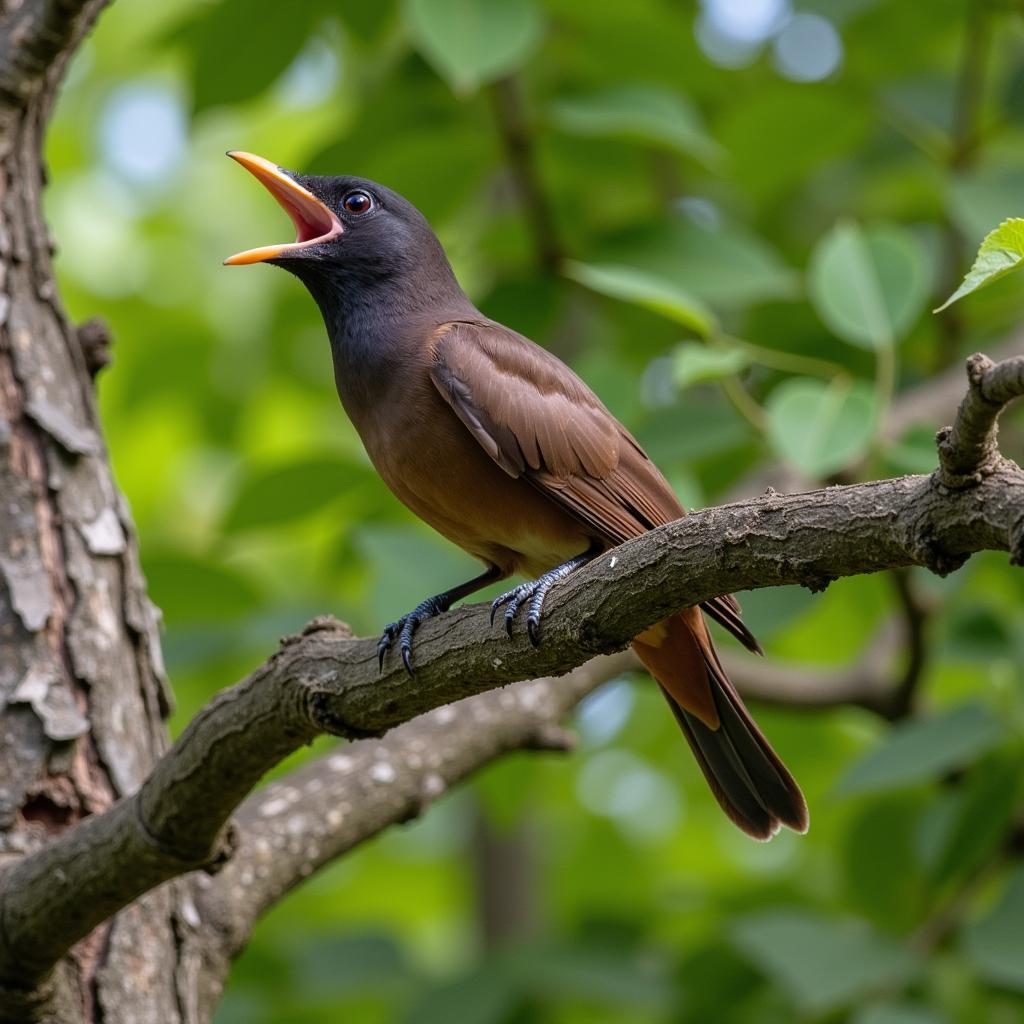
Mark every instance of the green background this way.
pixel 746 212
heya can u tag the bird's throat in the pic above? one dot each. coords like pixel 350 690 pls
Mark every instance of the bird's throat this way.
pixel 377 331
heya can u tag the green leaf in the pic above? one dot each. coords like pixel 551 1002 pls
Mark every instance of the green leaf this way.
pixel 693 363
pixel 645 288
pixel 471 42
pixel 934 824
pixel 983 815
pixel 225 72
pixel 823 963
pixel 281 494
pixel 892 1013
pixel 881 866
pixel 820 427
pixel 868 286
pixel 723 264
pixel 190 589
pixel 486 997
pixel 645 114
pixel 1001 251
pixel 924 749
pixel 995 944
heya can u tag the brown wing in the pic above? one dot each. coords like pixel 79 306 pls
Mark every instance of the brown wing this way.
pixel 538 420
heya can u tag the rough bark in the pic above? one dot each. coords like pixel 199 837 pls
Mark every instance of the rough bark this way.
pixel 81 684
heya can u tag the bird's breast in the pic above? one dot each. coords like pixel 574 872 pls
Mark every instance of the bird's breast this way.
pixel 437 469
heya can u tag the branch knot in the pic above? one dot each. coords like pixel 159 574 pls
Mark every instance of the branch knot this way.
pixel 95 339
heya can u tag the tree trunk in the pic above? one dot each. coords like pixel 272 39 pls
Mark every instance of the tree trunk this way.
pixel 83 698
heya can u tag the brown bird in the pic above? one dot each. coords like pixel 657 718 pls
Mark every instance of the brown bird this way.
pixel 501 448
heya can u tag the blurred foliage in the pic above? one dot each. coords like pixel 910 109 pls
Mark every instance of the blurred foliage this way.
pixel 754 206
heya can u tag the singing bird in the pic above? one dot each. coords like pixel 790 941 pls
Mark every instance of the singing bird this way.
pixel 501 448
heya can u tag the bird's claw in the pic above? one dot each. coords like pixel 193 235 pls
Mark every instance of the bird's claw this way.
pixel 384 644
pixel 402 630
pixel 511 600
pixel 533 617
pixel 534 591
pixel 391 631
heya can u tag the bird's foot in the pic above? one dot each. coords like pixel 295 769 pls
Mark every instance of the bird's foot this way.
pixel 534 591
pixel 403 629
pixel 512 599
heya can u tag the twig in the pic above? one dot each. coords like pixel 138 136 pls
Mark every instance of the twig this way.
pixel 518 143
pixel 968 450
pixel 916 613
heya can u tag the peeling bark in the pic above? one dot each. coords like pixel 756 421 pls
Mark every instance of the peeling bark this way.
pixel 81 690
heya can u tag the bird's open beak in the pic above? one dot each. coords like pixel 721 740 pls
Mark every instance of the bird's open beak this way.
pixel 314 222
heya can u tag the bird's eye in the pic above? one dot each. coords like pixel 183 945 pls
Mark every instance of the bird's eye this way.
pixel 357 202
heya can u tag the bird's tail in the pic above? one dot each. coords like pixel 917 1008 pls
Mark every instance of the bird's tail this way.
pixel 747 777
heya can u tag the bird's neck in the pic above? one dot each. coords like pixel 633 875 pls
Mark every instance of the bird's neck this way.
pixel 377 326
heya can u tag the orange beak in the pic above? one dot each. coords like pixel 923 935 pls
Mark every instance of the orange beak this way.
pixel 314 222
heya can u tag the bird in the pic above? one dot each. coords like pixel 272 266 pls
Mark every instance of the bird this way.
pixel 501 448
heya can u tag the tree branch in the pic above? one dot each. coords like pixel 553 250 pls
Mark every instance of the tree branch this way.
pixel 294 827
pixel 969 449
pixel 35 38
pixel 326 680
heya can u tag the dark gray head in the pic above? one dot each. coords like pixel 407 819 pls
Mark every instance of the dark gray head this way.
pixel 357 244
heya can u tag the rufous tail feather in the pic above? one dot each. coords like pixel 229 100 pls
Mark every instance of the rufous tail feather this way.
pixel 746 776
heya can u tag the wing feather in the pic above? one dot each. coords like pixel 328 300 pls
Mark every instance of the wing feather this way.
pixel 538 420
pixel 532 415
